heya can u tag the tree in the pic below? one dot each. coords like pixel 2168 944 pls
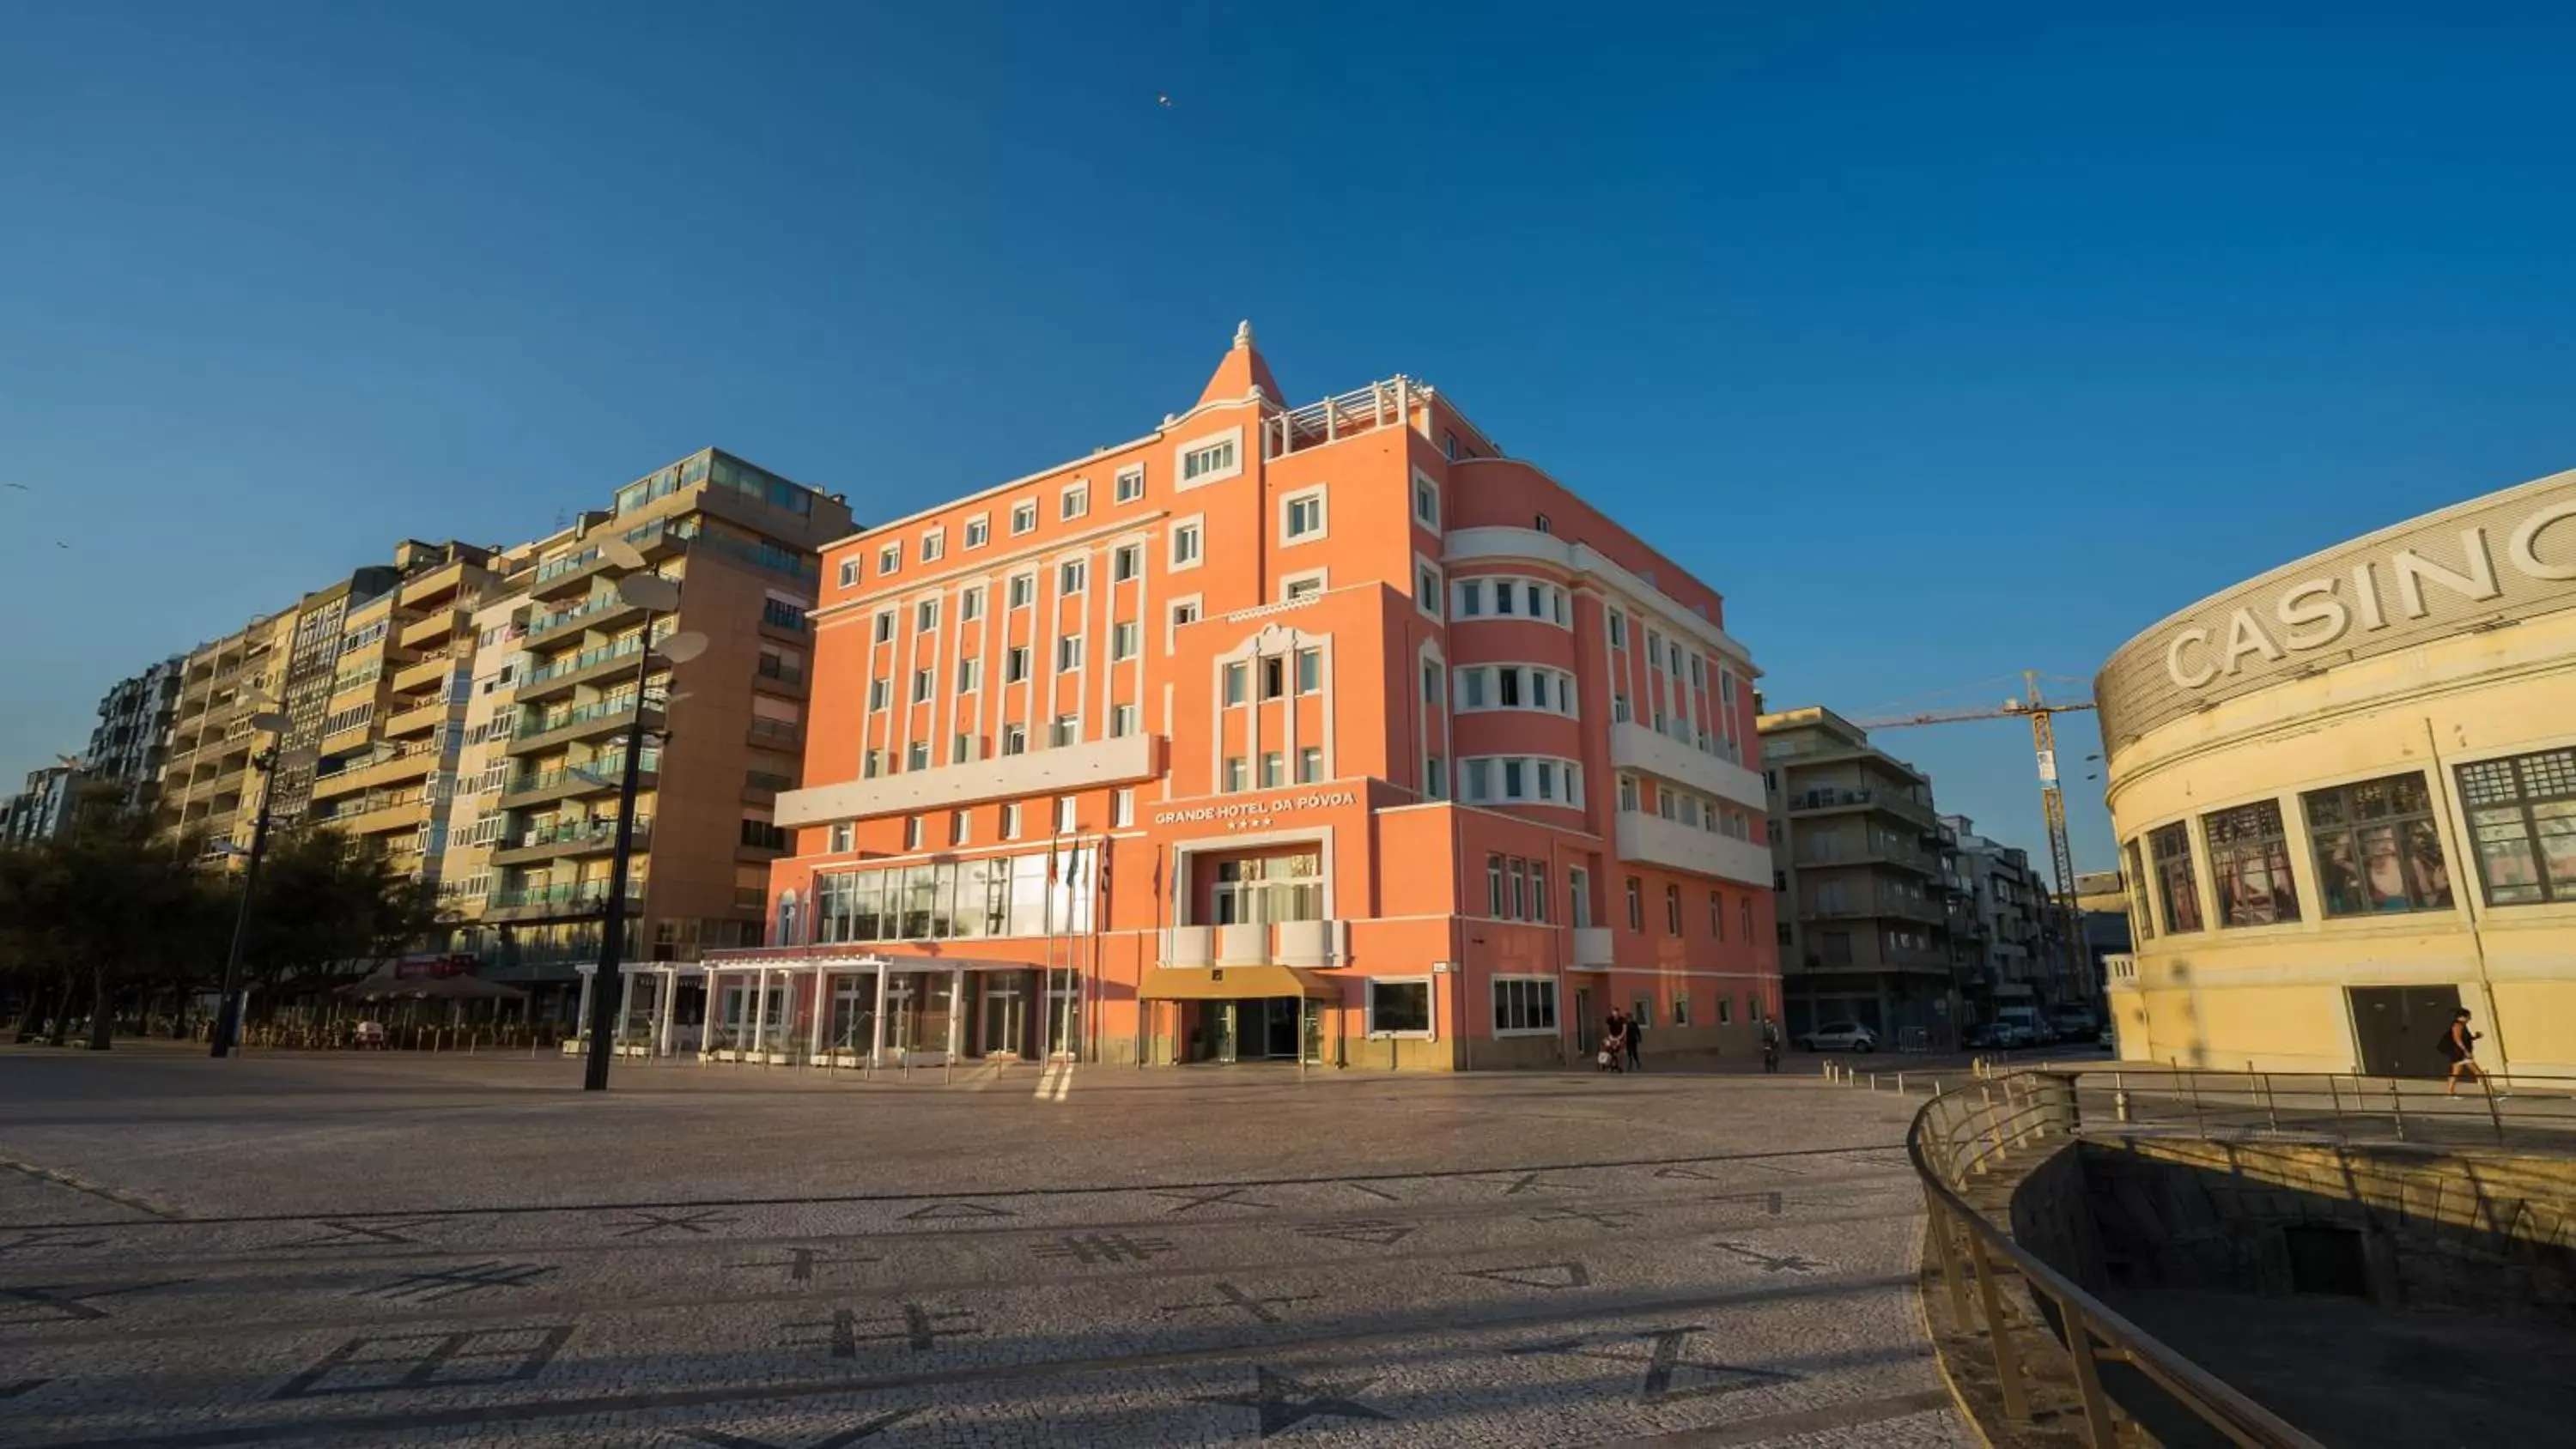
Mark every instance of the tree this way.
pixel 107 902
pixel 327 907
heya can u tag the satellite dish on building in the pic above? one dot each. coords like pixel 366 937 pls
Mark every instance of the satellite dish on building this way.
pixel 621 553
pixel 649 591
pixel 682 647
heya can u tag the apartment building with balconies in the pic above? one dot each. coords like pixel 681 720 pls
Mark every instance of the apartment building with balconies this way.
pixel 392 700
pixel 553 686
pixel 2019 963
pixel 208 784
pixel 131 741
pixel 1325 733
pixel 1864 895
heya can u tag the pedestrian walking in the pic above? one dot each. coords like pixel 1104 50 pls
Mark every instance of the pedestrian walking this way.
pixel 2461 1045
pixel 1770 1046
pixel 1636 1034
pixel 1614 1042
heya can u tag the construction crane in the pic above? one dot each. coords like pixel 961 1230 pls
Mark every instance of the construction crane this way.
pixel 2043 741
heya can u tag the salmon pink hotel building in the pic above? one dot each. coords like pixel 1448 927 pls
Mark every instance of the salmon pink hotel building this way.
pixel 1326 733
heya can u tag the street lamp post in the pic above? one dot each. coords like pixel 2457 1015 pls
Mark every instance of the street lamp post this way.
pixel 228 1004
pixel 656 596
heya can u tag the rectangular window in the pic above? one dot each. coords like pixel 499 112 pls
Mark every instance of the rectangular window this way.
pixel 880 693
pixel 1636 904
pixel 979 531
pixel 1236 776
pixel 1628 792
pixel 1471 598
pixel 2377 848
pixel 1122 803
pixel 1122 639
pixel 916 756
pixel 1075 501
pixel 1206 462
pixel 1431 685
pixel 934 546
pixel 1068 652
pixel 2249 863
pixel 1236 676
pixel 970 605
pixel 1274 770
pixel 1126 562
pixel 1069 576
pixel 925 615
pixel 889 558
pixel 1122 721
pixel 1426 502
pixel 1011 821
pixel 1184 614
pixel 1015 664
pixel 923 684
pixel 1619 711
pixel 1520 890
pixel 849 573
pixel 1479 779
pixel 1187 540
pixel 1515 773
pixel 1305 517
pixel 2522 820
pixel 1023 591
pixel 1131 485
pixel 970 674
pixel 1305 588
pixel 1618 631
pixel 1015 739
pixel 1310 670
pixel 1717 915
pixel 961 750
pixel 885 626
pixel 912 832
pixel 1399 1008
pixel 1426 589
pixel 841 835
pixel 1681 1010
pixel 1274 677
pixel 1578 896
pixel 1310 764
pixel 1066 730
pixel 874 765
pixel 2176 891
pixel 1507 691
pixel 1524 1005
pixel 1502 596
pixel 1024 516
pixel 961 825
pixel 1672 910
pixel 1471 688
pixel 1064 816
pixel 1435 777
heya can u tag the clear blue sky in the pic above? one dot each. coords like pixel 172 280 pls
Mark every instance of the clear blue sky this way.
pixel 1946 340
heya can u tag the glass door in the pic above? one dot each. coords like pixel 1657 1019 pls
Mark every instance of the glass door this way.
pixel 1006 1015
pixel 1221 1027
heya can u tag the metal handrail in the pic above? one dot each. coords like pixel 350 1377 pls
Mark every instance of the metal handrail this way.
pixel 2039 1105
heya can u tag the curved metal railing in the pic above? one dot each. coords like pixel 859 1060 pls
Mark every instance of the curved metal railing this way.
pixel 1968 1131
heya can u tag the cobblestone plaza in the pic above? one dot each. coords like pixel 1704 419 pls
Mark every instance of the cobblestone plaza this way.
pixel 464 1251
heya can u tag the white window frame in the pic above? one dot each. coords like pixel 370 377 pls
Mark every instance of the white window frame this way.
pixel 1010 820
pixel 1129 485
pixel 970 674
pixel 1434 600
pixel 1182 481
pixel 849 573
pixel 1426 490
pixel 889 559
pixel 970 604
pixel 881 628
pixel 1122 808
pixel 1120 557
pixel 979 530
pixel 1068 653
pixel 1195 528
pixel 1073 501
pixel 1122 721
pixel 1172 621
pixel 1011 591
pixel 1125 640
pixel 925 615
pixel 1289 584
pixel 1431 996
pixel 843 837
pixel 934 545
pixel 1068 815
pixel 1557 1005
pixel 1288 505
pixel 1024 516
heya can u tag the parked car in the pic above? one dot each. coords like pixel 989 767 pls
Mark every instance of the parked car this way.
pixel 1840 1036
pixel 1984 1036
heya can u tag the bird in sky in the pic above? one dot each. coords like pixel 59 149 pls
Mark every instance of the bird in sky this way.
pixel 1164 100
pixel 21 487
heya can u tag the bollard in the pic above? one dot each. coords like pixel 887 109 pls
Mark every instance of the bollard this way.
pixel 1900 1083
pixel 2271 1111
pixel 2119 1098
pixel 950 1079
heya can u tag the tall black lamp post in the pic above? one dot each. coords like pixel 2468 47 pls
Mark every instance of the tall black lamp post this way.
pixel 228 1005
pixel 656 596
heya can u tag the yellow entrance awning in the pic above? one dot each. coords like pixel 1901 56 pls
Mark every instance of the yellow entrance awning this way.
pixel 1226 983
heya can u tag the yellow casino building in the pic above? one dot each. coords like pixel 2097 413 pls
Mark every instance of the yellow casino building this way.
pixel 2345 795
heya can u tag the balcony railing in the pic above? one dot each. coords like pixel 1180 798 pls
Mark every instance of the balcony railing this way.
pixel 622 649
pixel 601 773
pixel 1361 410
pixel 1281 943
pixel 573 893
pixel 1830 799
pixel 578 715
pixel 579 832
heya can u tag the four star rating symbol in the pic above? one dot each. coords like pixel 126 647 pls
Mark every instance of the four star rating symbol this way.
pixel 1284 1402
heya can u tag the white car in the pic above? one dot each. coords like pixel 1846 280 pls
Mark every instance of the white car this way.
pixel 1840 1036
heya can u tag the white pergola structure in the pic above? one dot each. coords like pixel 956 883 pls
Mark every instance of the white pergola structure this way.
pixel 666 976
pixel 816 969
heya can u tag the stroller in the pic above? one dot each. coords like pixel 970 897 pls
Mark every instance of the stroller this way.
pixel 1613 1054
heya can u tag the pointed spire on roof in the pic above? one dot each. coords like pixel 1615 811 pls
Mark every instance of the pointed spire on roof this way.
pixel 1242 371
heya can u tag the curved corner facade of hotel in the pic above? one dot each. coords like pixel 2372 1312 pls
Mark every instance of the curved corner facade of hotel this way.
pixel 1321 733
pixel 2345 795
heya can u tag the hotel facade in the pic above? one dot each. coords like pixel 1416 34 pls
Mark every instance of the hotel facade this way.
pixel 1324 734
pixel 2345 794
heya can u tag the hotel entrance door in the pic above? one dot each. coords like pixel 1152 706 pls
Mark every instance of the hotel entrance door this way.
pixel 1006 1014
pixel 1256 1029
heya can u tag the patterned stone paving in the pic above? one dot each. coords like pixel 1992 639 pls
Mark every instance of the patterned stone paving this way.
pixel 1706 1260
